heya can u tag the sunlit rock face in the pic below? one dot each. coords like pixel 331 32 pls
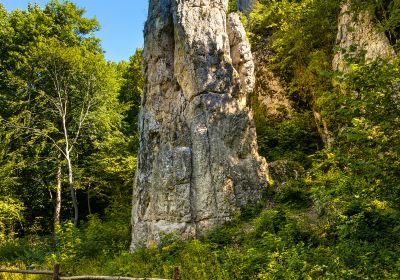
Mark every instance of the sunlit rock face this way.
pixel 358 32
pixel 198 159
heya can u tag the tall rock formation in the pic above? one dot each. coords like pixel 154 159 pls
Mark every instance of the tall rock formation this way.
pixel 198 159
pixel 358 33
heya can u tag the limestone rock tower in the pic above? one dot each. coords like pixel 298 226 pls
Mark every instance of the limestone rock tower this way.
pixel 198 159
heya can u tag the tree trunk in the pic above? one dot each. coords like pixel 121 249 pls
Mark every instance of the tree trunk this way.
pixel 70 171
pixel 88 200
pixel 57 208
pixel 72 189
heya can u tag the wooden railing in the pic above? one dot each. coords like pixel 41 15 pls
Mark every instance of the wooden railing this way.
pixel 56 275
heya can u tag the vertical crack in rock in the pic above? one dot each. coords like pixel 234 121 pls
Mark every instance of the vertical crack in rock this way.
pixel 198 159
pixel 242 58
pixel 209 150
pixel 192 195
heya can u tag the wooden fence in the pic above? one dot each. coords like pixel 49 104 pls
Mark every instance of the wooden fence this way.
pixel 56 275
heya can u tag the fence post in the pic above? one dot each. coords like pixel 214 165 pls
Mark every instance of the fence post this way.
pixel 177 273
pixel 56 272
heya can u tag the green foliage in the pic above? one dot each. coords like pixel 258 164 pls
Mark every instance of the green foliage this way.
pixel 278 244
pixel 52 68
pixel 10 214
pixel 338 220
pixel 388 15
pixel 30 251
pixel 104 237
pixel 299 38
pixel 131 89
pixel 295 193
pixel 31 41
pixel 292 138
pixel 232 6
pixel 364 161
pixel 297 29
pixel 68 243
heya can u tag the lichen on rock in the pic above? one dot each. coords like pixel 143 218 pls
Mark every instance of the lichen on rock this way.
pixel 198 159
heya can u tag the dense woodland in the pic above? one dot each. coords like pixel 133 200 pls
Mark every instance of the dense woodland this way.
pixel 68 145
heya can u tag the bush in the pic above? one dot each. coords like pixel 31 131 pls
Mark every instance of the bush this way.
pixel 294 194
pixel 11 213
pixel 31 250
pixel 103 237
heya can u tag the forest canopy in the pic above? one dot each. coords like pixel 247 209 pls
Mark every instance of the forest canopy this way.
pixel 67 128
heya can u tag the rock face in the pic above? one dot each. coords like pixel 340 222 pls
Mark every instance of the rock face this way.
pixel 245 5
pixel 268 89
pixel 282 171
pixel 358 33
pixel 198 159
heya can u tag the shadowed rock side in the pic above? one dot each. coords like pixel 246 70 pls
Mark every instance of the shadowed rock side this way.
pixel 245 6
pixel 198 159
pixel 268 90
pixel 357 33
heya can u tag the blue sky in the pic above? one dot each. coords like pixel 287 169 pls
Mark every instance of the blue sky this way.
pixel 122 22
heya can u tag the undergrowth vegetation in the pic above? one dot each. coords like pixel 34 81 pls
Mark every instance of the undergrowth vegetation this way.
pixel 282 242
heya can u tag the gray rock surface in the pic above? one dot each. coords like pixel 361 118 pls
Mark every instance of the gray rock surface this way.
pixel 282 171
pixel 358 32
pixel 245 6
pixel 268 90
pixel 198 159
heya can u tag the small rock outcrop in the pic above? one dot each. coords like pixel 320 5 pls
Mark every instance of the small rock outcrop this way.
pixel 283 171
pixel 245 6
pixel 198 159
pixel 358 33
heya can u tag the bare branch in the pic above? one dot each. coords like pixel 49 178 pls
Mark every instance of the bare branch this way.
pixel 37 132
